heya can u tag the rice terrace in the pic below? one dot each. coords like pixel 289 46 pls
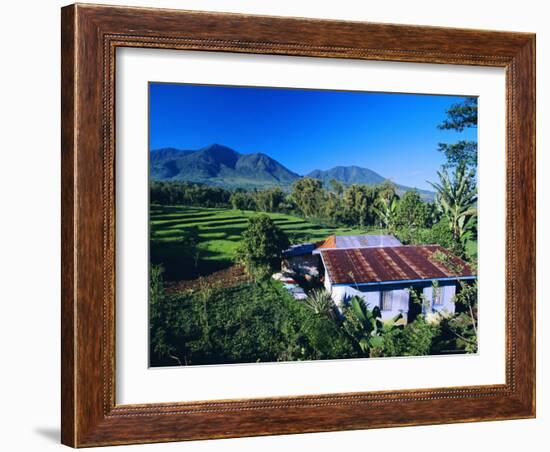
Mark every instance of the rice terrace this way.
pixel 219 234
pixel 304 225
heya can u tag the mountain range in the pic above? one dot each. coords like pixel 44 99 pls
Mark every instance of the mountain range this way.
pixel 220 165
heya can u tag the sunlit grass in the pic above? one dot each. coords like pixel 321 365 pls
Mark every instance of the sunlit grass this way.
pixel 220 230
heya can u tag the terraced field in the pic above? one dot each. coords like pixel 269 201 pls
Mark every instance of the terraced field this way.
pixel 219 233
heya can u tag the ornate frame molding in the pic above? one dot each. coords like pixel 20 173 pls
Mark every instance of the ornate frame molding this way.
pixel 90 37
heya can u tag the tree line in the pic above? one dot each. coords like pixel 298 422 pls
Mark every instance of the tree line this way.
pixel 450 220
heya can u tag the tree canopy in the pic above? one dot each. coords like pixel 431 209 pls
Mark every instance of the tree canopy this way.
pixel 460 116
pixel 456 199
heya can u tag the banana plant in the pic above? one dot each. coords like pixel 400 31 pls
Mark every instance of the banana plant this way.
pixel 365 326
pixel 387 212
pixel 456 198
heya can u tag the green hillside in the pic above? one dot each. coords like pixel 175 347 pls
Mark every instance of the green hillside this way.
pixel 220 231
pixel 220 165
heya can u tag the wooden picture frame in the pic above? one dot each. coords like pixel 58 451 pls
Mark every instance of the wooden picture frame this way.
pixel 90 36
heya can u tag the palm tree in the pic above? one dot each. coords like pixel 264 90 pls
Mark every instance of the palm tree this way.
pixel 456 199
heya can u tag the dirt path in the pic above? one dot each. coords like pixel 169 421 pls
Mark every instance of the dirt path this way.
pixel 224 278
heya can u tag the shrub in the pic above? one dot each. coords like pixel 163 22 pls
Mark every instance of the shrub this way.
pixel 262 246
pixel 416 338
pixel 438 234
pixel 320 302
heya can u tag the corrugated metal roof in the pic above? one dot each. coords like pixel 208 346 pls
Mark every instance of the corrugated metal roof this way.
pixel 391 264
pixel 363 241
pixel 357 241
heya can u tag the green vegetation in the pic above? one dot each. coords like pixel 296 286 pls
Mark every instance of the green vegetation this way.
pixel 261 322
pixel 456 201
pixel 261 249
pixel 460 116
pixel 320 302
pixel 241 324
pixel 365 327
pixel 219 232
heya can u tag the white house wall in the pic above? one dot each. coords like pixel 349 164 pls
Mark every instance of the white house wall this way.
pixel 447 293
pixel 400 299
pixel 400 304
pixel 327 283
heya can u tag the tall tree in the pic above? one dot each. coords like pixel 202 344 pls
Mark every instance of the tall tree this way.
pixel 269 200
pixel 336 187
pixel 412 212
pixel 387 190
pixel 242 200
pixel 333 208
pixel 308 194
pixel 359 203
pixel 456 197
pixel 460 116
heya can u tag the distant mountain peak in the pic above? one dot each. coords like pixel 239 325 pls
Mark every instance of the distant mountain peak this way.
pixel 217 164
pixel 217 147
pixel 349 175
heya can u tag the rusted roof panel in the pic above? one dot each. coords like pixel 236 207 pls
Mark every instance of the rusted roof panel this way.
pixel 392 263
pixel 330 242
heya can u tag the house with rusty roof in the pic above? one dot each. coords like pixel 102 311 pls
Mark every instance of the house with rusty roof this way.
pixel 304 258
pixel 382 271
pixel 384 275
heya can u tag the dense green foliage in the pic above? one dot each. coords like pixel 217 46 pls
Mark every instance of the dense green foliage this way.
pixel 460 116
pixel 261 322
pixel 365 327
pixel 187 193
pixel 416 339
pixel 261 249
pixel 387 211
pixel 245 323
pixel 309 196
pixel 437 234
pixel 456 201
pixel 412 212
pixel 320 302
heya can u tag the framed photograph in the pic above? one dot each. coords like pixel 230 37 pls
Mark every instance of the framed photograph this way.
pixel 282 225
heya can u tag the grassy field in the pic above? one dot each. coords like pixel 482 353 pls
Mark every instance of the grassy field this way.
pixel 219 235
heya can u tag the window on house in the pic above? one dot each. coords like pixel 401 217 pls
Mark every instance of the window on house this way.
pixel 437 296
pixel 386 300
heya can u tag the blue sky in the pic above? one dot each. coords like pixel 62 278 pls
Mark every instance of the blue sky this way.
pixel 392 134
